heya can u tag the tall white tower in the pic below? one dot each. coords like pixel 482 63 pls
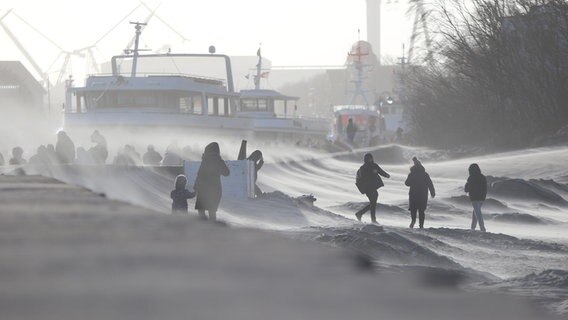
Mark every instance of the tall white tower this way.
pixel 374 26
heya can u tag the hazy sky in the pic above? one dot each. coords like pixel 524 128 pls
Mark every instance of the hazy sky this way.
pixel 292 32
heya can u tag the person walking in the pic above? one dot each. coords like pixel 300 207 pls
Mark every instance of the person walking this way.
pixel 420 183
pixel 351 131
pixel 208 181
pixel 476 186
pixel 368 182
pixel 180 195
pixel 399 132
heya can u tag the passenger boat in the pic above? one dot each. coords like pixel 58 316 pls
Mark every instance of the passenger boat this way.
pixel 184 102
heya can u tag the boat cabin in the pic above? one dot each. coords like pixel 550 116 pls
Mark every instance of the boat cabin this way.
pixel 265 103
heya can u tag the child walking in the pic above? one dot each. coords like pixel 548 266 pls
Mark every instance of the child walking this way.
pixel 180 195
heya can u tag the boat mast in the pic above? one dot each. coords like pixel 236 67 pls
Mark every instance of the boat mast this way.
pixel 258 70
pixel 138 27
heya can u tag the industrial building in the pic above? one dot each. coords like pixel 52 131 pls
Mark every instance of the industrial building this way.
pixel 19 90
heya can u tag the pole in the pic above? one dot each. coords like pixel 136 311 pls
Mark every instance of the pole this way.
pixel 138 27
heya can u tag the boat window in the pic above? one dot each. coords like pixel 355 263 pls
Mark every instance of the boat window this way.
pixel 197 105
pixel 211 107
pixel 132 99
pixel 262 104
pixel 248 105
pixel 256 105
pixel 185 105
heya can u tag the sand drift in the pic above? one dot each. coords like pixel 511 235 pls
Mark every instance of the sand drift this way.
pixel 526 212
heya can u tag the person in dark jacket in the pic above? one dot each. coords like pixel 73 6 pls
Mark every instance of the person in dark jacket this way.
pixel 476 186
pixel 65 148
pixel 419 182
pixel 17 157
pixel 180 195
pixel 368 182
pixel 99 152
pixel 208 181
pixel 351 130
pixel 257 158
pixel 151 157
pixel 40 158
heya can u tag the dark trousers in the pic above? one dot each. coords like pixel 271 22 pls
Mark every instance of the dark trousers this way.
pixel 421 217
pixel 373 197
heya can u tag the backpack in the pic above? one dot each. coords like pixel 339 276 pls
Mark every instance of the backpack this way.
pixel 359 183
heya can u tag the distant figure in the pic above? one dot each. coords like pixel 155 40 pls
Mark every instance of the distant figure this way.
pixel 368 182
pixel 476 186
pixel 2 162
pixel 99 152
pixel 351 131
pixel 65 148
pixel 399 133
pixel 208 181
pixel 180 195
pixel 40 158
pixel 172 157
pixel 123 158
pixel 151 157
pixel 17 157
pixel 383 124
pixel 419 182
pixel 258 160
pixel 130 152
pixel 372 126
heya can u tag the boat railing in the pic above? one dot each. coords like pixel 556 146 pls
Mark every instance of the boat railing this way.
pixel 355 107
pixel 300 117
pixel 165 74
pixel 131 110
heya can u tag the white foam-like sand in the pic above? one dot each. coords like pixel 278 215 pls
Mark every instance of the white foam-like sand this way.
pixel 525 247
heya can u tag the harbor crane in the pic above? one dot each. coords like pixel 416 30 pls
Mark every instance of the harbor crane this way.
pixel 88 52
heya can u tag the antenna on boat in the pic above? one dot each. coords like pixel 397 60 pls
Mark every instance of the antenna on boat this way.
pixel 258 69
pixel 136 51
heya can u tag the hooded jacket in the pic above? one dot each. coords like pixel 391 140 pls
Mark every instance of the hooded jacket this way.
pixel 208 181
pixel 476 184
pixel 180 195
pixel 368 176
pixel 420 183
